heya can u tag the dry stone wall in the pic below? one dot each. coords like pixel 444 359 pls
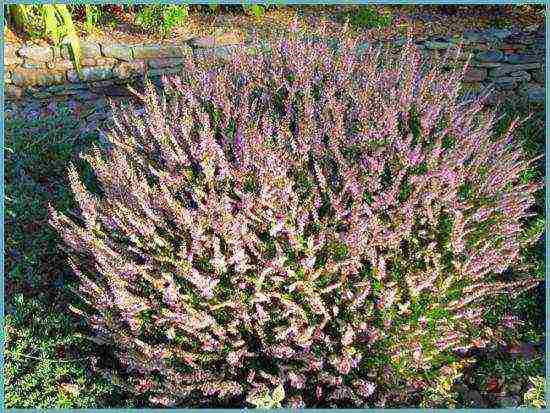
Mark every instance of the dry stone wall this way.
pixel 503 59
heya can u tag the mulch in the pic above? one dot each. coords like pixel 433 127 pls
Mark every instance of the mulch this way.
pixel 420 20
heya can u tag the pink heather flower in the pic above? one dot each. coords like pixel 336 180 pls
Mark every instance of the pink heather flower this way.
pixel 296 381
pixel 319 392
pixel 511 321
pixel 277 228
pixel 450 177
pixel 364 388
pixel 344 365
pixel 326 140
pixel 234 357
pixel 355 360
pixel 348 336
pixel 163 400
pixel 211 345
pixel 144 384
pixel 296 402
pixel 309 263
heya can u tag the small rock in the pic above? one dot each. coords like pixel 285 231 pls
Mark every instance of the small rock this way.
pixel 435 45
pixel 205 42
pixel 506 83
pixel 31 64
pixel 202 42
pixel 521 75
pixel 13 92
pixel 515 388
pixel 117 51
pixel 38 77
pixel 7 77
pixel 508 401
pixel 126 70
pixel 165 71
pixel 10 56
pixel 97 117
pixel 488 65
pixel 500 34
pixel 474 398
pixel 520 59
pixel 539 76
pixel 36 53
pixel 156 51
pixel 508 68
pixel 107 87
pixel 90 74
pixel 472 37
pixel 66 89
pixel 229 38
pixel 86 62
pixel 475 75
pixel 223 53
pixel 87 49
pixel 525 40
pixel 490 56
pixel 85 96
pixel 165 62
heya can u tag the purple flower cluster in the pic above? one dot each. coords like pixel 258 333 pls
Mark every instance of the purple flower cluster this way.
pixel 324 220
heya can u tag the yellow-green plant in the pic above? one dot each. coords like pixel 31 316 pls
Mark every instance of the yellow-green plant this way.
pixel 268 400
pixel 534 397
pixel 54 21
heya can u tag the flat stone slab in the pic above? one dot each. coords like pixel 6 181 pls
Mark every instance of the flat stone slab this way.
pixel 536 94
pixel 40 77
pixel 117 51
pixel 90 74
pixel 87 49
pixel 36 53
pixel 508 68
pixel 226 39
pixel 490 56
pixel 157 51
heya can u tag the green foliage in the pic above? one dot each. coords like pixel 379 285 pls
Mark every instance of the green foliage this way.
pixel 93 15
pixel 54 21
pixel 268 400
pixel 370 17
pixel 50 369
pixel 47 364
pixel 534 397
pixel 257 10
pixel 161 18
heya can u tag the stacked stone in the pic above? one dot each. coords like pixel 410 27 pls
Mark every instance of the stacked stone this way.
pixel 41 72
pixel 501 59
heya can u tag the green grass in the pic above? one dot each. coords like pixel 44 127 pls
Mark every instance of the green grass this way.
pixel 44 349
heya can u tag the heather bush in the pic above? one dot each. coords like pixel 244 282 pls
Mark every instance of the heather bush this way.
pixel 302 226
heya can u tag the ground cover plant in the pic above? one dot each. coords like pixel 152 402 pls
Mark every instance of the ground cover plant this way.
pixel 273 219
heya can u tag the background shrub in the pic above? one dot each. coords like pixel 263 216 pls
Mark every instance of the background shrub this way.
pixel 327 222
pixel 161 18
